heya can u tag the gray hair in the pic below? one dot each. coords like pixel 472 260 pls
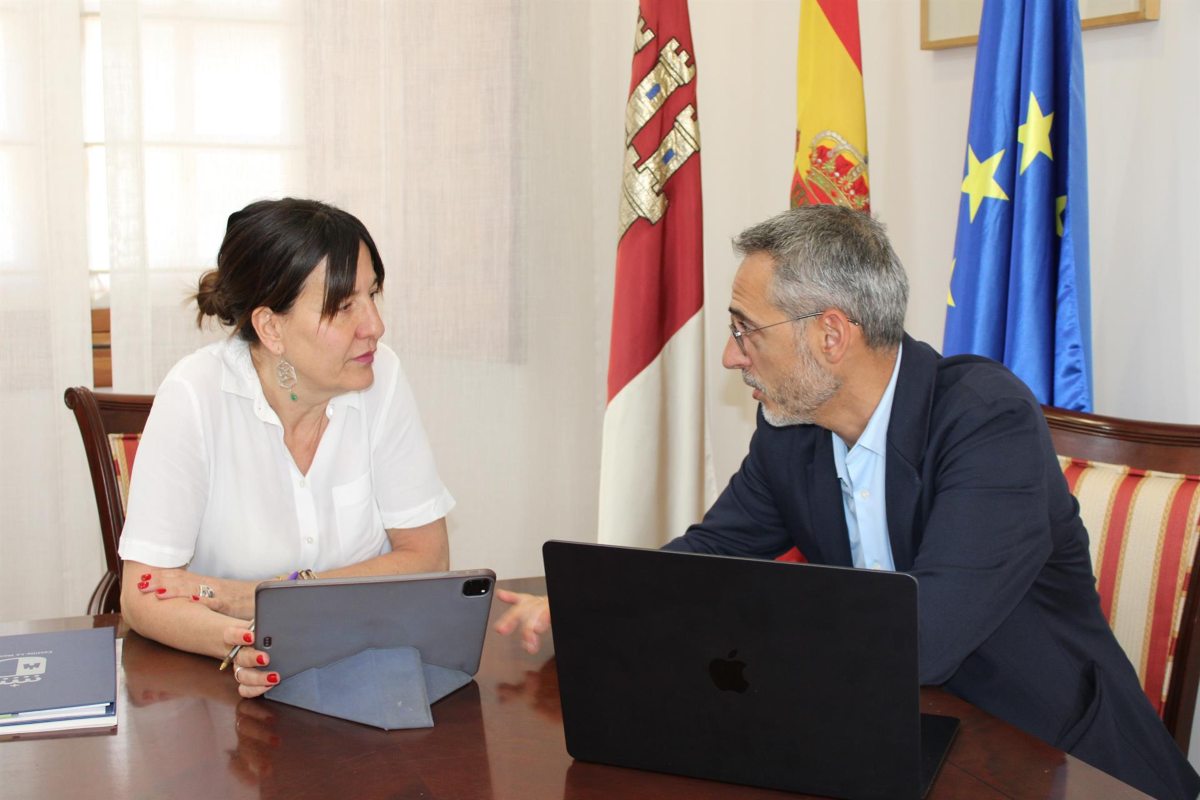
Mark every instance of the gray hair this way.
pixel 827 256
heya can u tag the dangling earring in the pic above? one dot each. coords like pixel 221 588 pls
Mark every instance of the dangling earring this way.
pixel 285 373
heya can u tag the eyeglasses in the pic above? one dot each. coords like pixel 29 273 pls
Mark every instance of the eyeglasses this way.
pixel 739 335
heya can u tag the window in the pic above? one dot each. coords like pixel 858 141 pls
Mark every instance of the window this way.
pixel 204 115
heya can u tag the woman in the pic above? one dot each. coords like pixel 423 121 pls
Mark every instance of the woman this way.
pixel 293 445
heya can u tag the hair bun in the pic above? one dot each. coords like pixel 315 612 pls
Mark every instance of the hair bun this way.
pixel 209 300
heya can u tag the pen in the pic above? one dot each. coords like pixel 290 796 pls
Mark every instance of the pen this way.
pixel 234 651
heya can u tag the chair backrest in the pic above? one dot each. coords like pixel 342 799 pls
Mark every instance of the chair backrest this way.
pixel 1138 486
pixel 109 424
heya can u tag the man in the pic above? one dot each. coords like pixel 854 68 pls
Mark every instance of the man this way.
pixel 873 451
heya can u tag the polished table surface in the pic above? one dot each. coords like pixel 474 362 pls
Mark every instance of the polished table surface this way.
pixel 184 732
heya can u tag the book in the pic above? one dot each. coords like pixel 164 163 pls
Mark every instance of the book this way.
pixel 58 681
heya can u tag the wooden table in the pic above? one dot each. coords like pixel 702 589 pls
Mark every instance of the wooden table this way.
pixel 184 732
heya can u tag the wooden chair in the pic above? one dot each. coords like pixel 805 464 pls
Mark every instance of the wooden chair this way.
pixel 110 425
pixel 1138 486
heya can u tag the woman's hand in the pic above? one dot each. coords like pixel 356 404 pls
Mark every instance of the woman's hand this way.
pixel 234 598
pixel 251 681
pixel 530 613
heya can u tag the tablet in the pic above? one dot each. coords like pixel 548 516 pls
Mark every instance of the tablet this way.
pixel 306 624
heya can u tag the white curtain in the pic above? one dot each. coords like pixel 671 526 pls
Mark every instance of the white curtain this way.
pixel 459 131
pixel 50 553
pixel 201 111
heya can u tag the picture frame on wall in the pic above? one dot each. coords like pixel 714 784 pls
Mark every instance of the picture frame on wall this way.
pixel 955 23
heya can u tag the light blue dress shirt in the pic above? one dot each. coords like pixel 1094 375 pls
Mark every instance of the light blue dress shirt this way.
pixel 861 473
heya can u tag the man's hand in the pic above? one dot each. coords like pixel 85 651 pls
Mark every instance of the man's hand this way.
pixel 530 613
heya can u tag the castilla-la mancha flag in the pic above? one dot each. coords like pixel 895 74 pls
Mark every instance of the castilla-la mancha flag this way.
pixel 831 120
pixel 655 473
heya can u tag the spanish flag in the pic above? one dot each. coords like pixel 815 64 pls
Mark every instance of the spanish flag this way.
pixel 831 120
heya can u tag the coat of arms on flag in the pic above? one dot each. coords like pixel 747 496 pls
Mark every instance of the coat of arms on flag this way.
pixel 655 476
pixel 831 119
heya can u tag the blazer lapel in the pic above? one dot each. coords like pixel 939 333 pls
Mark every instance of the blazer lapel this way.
pixel 903 487
pixel 907 431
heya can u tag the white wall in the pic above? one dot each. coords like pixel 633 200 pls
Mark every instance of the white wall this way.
pixel 1144 168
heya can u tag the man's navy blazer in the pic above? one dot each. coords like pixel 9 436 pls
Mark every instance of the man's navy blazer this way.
pixel 979 512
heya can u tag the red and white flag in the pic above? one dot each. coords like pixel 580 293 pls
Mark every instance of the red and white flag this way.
pixel 655 471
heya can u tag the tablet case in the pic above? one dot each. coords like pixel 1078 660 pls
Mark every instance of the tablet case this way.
pixel 377 651
pixel 389 689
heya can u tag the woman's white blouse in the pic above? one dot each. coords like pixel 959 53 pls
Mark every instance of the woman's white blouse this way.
pixel 214 487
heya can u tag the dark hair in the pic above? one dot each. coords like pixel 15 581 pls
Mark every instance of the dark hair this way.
pixel 270 248
pixel 828 256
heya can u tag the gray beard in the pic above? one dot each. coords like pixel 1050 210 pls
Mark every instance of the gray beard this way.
pixel 799 397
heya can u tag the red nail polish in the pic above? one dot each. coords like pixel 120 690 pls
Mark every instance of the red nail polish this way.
pixel 261 659
pixel 272 677
pixel 143 584
pixel 146 576
pixel 195 597
pixel 160 591
pixel 248 638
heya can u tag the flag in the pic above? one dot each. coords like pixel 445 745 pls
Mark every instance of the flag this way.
pixel 1019 286
pixel 655 469
pixel 831 116
pixel 831 119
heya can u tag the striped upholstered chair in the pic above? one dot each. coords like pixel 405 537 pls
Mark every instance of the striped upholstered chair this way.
pixel 111 425
pixel 1138 487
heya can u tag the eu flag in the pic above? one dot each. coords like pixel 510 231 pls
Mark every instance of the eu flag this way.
pixel 1019 289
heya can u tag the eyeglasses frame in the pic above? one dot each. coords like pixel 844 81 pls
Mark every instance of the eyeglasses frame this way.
pixel 738 335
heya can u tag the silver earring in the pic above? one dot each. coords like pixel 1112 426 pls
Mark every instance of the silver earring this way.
pixel 285 373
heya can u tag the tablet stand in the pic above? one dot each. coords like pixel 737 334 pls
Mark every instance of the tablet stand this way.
pixel 388 688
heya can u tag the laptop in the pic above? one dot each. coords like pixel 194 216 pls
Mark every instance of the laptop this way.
pixel 785 676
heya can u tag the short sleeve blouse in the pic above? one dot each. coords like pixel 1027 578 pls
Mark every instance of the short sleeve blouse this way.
pixel 214 486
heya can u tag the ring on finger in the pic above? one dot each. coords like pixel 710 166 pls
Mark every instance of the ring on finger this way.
pixel 207 591
pixel 236 672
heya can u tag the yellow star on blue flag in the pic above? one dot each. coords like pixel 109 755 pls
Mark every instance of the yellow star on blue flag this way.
pixel 1035 134
pixel 981 180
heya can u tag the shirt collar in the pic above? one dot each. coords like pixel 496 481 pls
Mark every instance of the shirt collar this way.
pixel 238 377
pixel 874 436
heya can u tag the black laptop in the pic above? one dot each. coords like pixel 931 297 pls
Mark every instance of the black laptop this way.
pixel 786 676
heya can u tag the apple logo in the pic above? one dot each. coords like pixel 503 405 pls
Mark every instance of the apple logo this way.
pixel 727 673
